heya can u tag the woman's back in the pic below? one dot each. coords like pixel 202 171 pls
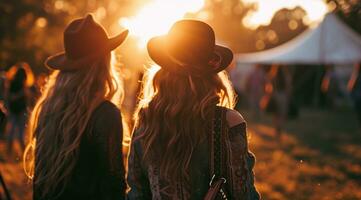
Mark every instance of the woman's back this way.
pixel 145 180
pixel 99 171
pixel 182 138
pixel 75 147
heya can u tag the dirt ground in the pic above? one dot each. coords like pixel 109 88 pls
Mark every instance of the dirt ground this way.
pixel 13 174
pixel 318 157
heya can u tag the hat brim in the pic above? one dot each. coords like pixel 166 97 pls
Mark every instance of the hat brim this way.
pixel 61 62
pixel 157 50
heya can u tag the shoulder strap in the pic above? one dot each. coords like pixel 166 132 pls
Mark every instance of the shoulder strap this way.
pixel 218 126
pixel 217 158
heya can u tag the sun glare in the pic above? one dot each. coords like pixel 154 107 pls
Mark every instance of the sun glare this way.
pixel 157 17
pixel 265 9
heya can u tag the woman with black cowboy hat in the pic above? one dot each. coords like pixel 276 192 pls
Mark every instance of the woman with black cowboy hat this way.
pixel 75 128
pixel 188 143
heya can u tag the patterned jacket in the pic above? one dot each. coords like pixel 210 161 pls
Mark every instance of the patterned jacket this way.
pixel 145 183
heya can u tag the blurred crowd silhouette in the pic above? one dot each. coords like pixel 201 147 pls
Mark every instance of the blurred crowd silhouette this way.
pixel 264 89
pixel 281 91
pixel 19 89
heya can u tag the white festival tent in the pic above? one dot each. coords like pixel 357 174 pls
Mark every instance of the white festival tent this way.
pixel 331 42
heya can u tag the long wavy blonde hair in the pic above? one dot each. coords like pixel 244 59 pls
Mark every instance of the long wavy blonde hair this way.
pixel 174 113
pixel 60 118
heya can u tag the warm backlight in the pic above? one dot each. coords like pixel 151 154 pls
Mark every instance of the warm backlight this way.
pixel 157 17
pixel 265 9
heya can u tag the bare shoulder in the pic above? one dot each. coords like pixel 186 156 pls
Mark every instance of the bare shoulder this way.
pixel 234 118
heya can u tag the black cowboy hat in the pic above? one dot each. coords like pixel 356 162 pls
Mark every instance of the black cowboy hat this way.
pixel 84 41
pixel 189 47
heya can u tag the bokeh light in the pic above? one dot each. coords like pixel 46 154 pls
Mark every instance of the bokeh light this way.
pixel 292 24
pixel 41 22
pixel 265 10
pixel 157 17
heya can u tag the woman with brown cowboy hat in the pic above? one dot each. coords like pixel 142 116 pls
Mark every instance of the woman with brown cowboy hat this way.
pixel 188 143
pixel 75 128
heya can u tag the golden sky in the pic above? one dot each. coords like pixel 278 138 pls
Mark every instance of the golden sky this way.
pixel 150 19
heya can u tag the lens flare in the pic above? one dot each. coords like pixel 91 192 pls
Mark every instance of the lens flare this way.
pixel 157 17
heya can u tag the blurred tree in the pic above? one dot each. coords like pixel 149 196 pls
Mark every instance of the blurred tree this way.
pixel 31 30
pixel 23 32
pixel 349 11
pixel 285 25
pixel 225 16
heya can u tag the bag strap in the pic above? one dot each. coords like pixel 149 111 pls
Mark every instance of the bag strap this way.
pixel 218 134
pixel 216 158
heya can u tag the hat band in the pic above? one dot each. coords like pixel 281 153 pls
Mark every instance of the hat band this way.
pixel 175 60
pixel 189 70
pixel 216 62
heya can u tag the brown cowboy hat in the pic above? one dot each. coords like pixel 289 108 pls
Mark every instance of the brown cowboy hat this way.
pixel 189 47
pixel 84 41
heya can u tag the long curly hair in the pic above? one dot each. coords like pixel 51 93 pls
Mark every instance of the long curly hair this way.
pixel 59 119
pixel 174 114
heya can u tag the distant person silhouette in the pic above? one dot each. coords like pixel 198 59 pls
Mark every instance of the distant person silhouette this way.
pixel 255 88
pixel 17 96
pixel 280 89
pixel 354 86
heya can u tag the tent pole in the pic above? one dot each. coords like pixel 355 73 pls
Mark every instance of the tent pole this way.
pixel 316 98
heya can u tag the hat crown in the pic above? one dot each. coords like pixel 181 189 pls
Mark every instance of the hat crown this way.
pixel 189 48
pixel 191 41
pixel 83 37
pixel 85 41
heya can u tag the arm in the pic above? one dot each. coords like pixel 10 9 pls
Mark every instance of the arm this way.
pixel 137 178
pixel 249 162
pixel 108 140
pixel 238 128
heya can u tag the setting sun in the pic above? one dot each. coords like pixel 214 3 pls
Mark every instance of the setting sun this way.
pixel 157 17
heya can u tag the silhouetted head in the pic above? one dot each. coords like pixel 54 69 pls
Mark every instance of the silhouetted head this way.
pixel 20 75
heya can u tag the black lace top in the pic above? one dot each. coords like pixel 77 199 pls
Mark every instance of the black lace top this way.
pixel 99 171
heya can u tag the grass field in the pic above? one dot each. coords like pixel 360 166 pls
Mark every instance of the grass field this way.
pixel 318 158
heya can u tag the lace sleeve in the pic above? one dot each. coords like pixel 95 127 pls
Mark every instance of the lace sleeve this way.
pixel 108 135
pixel 247 163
